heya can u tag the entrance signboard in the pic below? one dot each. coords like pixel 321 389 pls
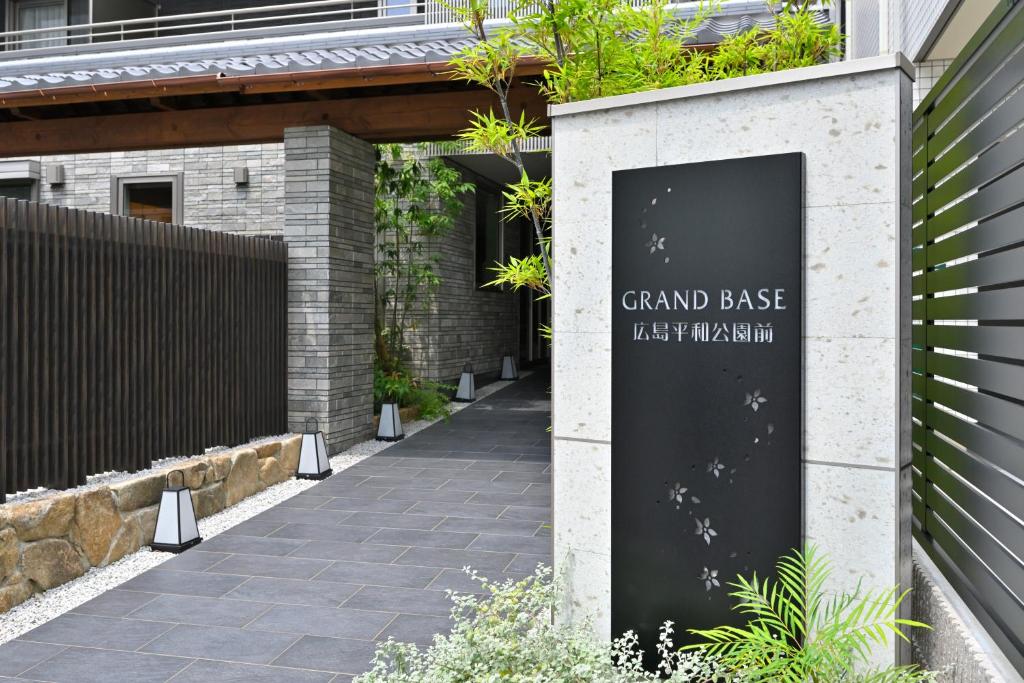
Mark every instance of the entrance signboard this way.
pixel 707 263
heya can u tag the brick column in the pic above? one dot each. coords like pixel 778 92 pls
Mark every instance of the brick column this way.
pixel 328 205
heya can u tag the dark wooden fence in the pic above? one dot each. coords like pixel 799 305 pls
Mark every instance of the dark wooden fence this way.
pixel 123 341
pixel 968 304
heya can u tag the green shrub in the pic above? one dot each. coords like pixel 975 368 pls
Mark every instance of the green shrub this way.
pixel 509 636
pixel 433 399
pixel 798 634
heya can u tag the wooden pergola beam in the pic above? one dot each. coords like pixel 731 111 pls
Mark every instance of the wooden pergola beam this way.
pixel 391 118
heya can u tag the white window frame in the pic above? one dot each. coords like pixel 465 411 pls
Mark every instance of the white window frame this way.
pixel 11 18
pixel 118 196
pixel 22 170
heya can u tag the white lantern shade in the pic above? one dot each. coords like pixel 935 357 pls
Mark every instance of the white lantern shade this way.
pixel 508 368
pixel 390 427
pixel 176 527
pixel 313 460
pixel 467 386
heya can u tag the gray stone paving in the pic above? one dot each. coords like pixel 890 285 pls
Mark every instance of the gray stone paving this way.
pixel 303 592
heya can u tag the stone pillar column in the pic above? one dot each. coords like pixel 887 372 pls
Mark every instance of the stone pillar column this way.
pixel 329 230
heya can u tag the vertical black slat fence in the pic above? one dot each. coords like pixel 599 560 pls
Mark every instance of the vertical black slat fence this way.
pixel 968 332
pixel 124 341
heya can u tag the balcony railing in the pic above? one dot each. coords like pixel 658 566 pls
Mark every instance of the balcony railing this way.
pixel 270 19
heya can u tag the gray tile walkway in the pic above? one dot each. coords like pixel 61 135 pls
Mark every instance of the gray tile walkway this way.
pixel 304 591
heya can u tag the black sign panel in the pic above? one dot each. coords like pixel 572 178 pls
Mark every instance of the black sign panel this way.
pixel 706 386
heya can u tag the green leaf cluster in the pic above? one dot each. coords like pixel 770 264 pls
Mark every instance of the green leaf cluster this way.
pixel 417 201
pixel 599 48
pixel 796 633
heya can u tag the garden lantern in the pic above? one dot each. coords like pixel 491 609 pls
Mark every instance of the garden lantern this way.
pixel 313 461
pixel 508 368
pixel 390 427
pixel 467 386
pixel 176 528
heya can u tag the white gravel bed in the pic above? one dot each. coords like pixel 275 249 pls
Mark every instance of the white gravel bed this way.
pixel 43 607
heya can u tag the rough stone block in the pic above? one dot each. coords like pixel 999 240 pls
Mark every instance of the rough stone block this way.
pixel 268 449
pixel 271 472
pixel 141 492
pixel 146 519
pixel 127 540
pixel 290 453
pixel 45 518
pixel 51 562
pixel 209 500
pixel 9 554
pixel 14 594
pixel 244 480
pixel 220 467
pixel 97 521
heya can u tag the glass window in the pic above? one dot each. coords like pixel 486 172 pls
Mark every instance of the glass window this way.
pixel 153 198
pixel 151 201
pixel 40 14
pixel 18 189
pixel 488 234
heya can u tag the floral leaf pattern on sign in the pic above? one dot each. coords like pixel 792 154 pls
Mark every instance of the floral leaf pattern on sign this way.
pixel 655 243
pixel 704 530
pixel 675 494
pixel 710 579
pixel 755 400
pixel 715 467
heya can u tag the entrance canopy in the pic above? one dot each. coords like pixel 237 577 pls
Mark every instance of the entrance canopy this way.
pixel 377 84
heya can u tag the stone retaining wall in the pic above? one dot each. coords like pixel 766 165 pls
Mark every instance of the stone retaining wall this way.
pixel 47 542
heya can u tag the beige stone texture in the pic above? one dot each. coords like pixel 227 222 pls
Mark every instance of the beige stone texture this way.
pixel 290 453
pixel 194 473
pixel 209 500
pixel 51 562
pixel 14 594
pixel 97 521
pixel 271 472
pixel 127 540
pixel 46 518
pixel 137 493
pixel 9 554
pixel 146 519
pixel 220 467
pixel 268 449
pixel 244 480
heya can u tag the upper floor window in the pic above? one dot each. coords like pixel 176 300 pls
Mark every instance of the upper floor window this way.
pixel 154 198
pixel 18 189
pixel 30 15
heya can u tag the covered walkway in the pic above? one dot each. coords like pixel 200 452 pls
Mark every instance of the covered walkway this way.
pixel 305 590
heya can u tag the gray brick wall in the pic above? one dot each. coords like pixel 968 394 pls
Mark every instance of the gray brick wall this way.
pixel 211 198
pixel 328 227
pixel 465 323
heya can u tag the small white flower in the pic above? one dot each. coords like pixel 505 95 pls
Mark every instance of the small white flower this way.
pixel 656 243
pixel 710 578
pixel 755 400
pixel 715 467
pixel 675 494
pixel 704 529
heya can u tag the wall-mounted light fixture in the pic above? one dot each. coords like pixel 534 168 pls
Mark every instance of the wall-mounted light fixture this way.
pixel 241 175
pixel 55 174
